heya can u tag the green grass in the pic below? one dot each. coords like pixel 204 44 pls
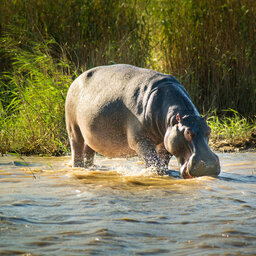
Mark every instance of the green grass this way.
pixel 208 45
pixel 32 102
pixel 232 131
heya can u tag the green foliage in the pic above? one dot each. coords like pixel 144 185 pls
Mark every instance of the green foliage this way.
pixel 33 120
pixel 96 32
pixel 233 128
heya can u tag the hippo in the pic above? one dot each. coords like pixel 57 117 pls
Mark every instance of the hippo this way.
pixel 122 111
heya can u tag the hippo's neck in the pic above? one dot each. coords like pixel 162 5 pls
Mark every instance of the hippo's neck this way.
pixel 173 111
pixel 180 103
pixel 164 103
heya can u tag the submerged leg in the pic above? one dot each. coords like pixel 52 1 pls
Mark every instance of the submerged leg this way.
pixel 88 156
pixel 77 153
pixel 164 156
pixel 146 150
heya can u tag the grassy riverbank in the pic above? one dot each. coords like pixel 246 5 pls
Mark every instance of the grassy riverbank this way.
pixel 32 122
pixel 32 101
pixel 232 132
pixel 21 135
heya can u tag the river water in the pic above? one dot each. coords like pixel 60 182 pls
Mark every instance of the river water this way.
pixel 119 208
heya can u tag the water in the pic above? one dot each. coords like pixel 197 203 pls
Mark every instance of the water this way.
pixel 49 208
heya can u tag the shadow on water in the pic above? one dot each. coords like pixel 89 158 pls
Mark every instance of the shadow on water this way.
pixel 225 176
pixel 174 174
pixel 237 178
pixel 20 163
pixel 14 163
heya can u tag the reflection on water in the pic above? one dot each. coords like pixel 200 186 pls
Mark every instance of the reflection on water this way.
pixel 119 208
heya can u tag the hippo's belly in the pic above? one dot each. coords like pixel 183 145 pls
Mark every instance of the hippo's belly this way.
pixel 105 129
pixel 108 145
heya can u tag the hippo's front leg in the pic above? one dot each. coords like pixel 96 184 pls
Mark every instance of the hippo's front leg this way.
pixel 164 156
pixel 146 150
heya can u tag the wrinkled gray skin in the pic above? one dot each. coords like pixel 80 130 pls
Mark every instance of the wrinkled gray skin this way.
pixel 122 110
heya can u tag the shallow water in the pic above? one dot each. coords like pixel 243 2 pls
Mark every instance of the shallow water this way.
pixel 119 208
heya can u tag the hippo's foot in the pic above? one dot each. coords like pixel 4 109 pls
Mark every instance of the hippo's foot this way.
pixel 162 171
pixel 158 170
pixel 88 156
pixel 78 163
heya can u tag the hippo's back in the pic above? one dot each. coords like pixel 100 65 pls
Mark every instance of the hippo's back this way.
pixel 118 81
pixel 105 85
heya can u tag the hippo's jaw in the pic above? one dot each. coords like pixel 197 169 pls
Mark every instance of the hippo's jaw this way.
pixel 184 172
pixel 196 168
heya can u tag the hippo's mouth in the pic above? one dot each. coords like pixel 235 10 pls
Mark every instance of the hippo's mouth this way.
pixel 184 172
pixel 200 169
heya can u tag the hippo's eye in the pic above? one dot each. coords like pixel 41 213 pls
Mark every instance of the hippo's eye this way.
pixel 189 134
pixel 208 132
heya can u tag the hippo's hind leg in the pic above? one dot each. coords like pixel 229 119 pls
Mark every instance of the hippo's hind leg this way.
pixel 88 156
pixel 77 145
pixel 82 154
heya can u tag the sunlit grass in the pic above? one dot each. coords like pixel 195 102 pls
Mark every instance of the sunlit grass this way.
pixel 231 131
pixel 32 121
pixel 210 46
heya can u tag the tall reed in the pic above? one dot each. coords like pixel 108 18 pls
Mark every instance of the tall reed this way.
pixel 96 32
pixel 211 46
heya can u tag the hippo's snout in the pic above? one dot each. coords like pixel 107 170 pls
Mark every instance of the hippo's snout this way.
pixel 196 167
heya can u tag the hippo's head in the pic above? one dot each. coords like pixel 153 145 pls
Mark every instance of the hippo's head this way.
pixel 187 139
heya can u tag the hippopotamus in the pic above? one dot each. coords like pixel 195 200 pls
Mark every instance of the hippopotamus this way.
pixel 122 111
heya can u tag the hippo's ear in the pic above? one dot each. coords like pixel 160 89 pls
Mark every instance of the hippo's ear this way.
pixel 178 118
pixel 205 117
pixel 175 119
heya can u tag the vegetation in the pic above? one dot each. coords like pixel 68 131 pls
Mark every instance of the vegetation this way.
pixel 211 46
pixel 232 132
pixel 208 45
pixel 33 121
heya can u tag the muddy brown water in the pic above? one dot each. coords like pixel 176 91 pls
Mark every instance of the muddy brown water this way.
pixel 119 208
